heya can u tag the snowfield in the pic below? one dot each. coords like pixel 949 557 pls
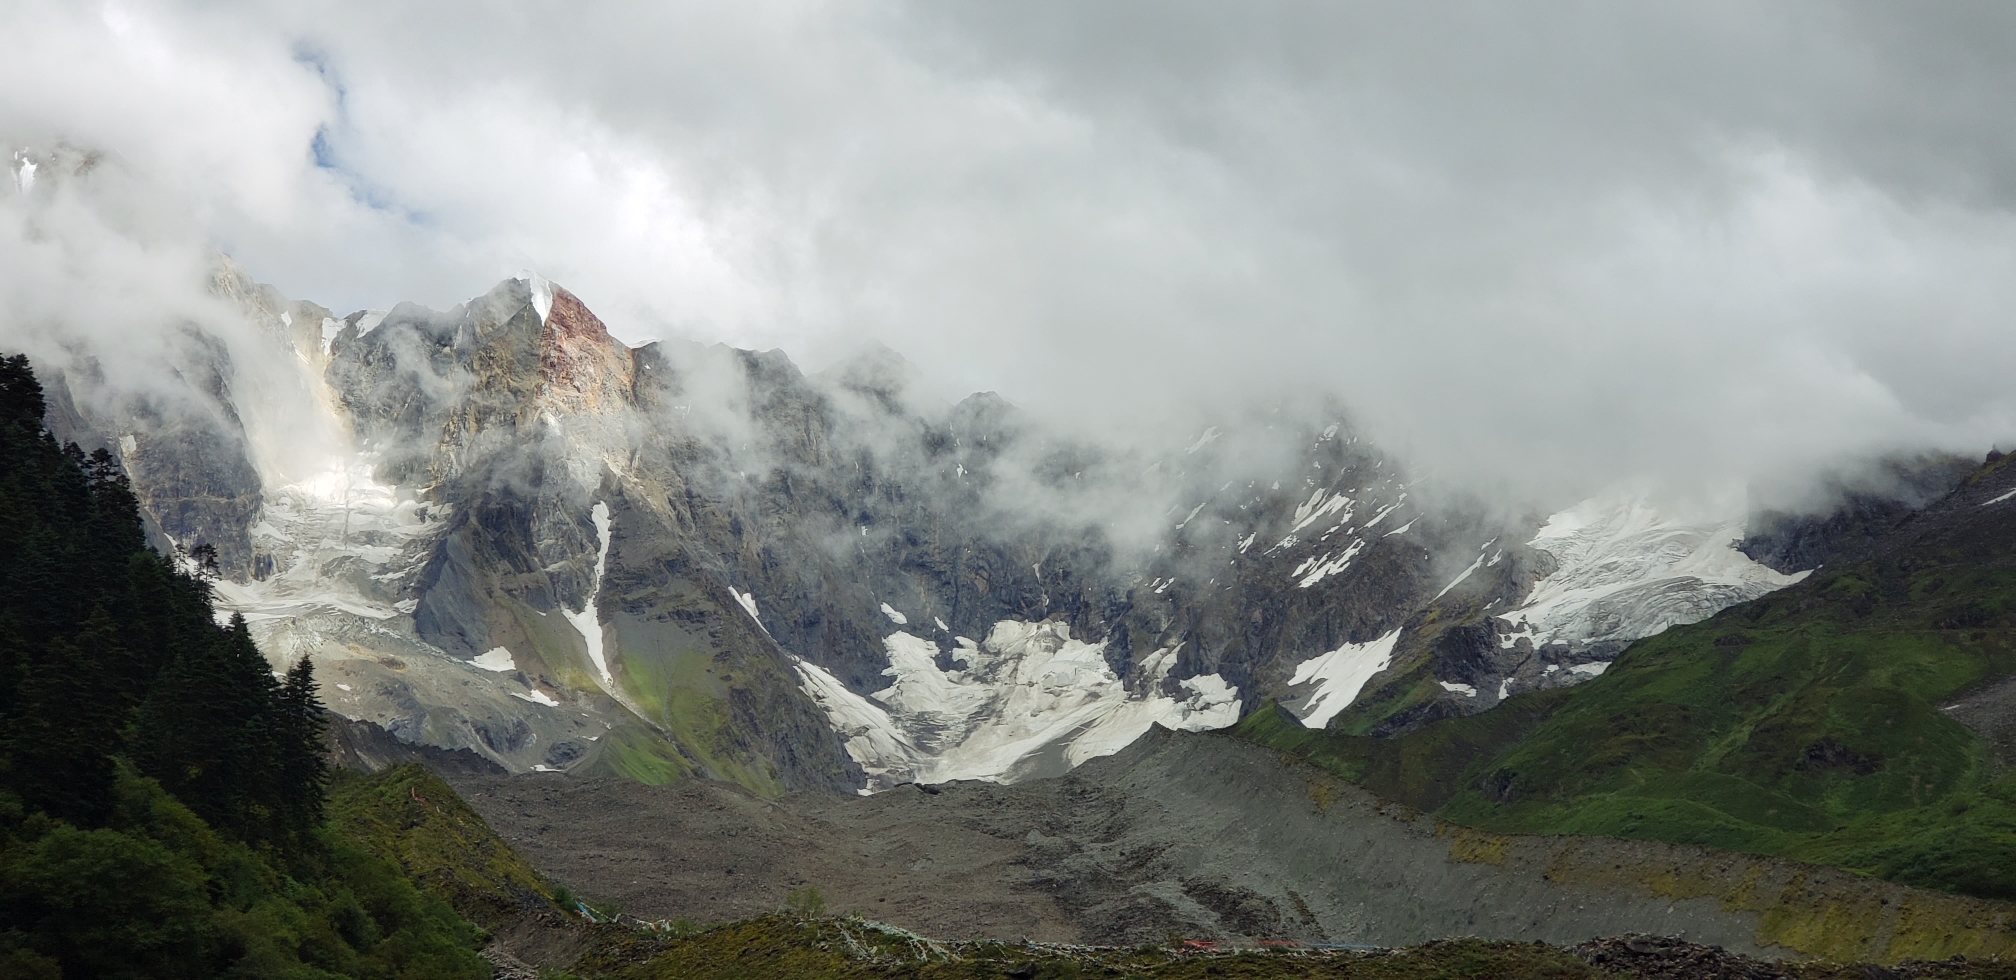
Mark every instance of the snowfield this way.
pixel 1627 571
pixel 1029 701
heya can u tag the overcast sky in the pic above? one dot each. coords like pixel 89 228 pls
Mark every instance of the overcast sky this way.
pixel 1546 244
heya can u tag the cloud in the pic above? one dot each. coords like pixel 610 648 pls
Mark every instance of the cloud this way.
pixel 1535 248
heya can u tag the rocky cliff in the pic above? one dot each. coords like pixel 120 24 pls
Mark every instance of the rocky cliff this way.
pixel 498 528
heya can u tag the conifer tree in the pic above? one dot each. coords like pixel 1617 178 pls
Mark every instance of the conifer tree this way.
pixel 208 733
pixel 303 766
pixel 109 649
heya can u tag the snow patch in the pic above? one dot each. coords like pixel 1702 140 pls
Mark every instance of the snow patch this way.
pixel 542 295
pixel 497 659
pixel 869 735
pixel 369 322
pixel 1029 701
pixel 747 600
pixel 1383 511
pixel 1313 571
pixel 1590 669
pixel 588 622
pixel 1998 500
pixel 1339 675
pixel 894 616
pixel 536 697
pixel 1210 435
pixel 330 328
pixel 1625 570
pixel 1458 580
pixel 1463 689
pixel 1318 507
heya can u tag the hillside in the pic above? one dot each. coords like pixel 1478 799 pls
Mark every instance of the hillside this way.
pixel 1854 720
pixel 161 791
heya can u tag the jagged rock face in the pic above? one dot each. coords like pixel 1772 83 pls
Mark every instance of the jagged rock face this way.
pixel 537 544
pixel 184 449
pixel 1790 541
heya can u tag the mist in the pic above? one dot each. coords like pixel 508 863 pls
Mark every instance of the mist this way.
pixel 1533 252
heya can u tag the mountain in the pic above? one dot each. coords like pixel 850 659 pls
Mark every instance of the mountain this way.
pixel 498 529
pixel 161 790
pixel 1857 718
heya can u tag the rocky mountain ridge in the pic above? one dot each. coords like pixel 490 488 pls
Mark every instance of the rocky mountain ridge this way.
pixel 499 528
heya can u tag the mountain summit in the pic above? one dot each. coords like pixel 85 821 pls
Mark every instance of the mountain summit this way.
pixel 518 536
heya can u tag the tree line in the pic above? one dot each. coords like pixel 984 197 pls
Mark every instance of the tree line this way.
pixel 161 790
pixel 109 649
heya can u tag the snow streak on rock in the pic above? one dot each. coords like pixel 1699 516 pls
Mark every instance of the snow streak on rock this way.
pixel 542 296
pixel 871 737
pixel 589 620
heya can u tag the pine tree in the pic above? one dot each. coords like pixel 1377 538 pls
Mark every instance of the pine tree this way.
pixel 110 649
pixel 208 733
pixel 303 766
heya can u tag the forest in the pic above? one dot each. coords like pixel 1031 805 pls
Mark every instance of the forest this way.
pixel 162 791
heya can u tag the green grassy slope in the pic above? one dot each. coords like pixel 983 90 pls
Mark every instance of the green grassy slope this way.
pixel 408 818
pixel 1806 724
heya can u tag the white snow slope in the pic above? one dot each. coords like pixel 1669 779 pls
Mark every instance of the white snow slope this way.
pixel 1628 571
pixel 1338 676
pixel 1029 701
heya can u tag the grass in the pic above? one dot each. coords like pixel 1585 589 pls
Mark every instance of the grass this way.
pixel 407 817
pixel 846 949
pixel 1805 725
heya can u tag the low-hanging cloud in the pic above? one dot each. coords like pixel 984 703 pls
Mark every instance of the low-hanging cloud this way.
pixel 1536 248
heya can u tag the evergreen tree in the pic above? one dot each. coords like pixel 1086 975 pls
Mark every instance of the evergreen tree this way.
pixel 113 669
pixel 303 766
pixel 209 732
pixel 195 705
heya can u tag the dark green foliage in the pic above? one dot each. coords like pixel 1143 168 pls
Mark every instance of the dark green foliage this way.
pixel 157 893
pixel 161 792
pixel 111 650
pixel 300 726
pixel 109 904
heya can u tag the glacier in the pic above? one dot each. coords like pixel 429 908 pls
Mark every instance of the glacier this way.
pixel 1028 701
pixel 1626 570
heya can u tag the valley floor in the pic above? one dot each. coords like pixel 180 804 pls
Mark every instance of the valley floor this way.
pixel 1201 837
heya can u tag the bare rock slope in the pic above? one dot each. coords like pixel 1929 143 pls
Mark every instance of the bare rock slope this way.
pixel 1196 835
